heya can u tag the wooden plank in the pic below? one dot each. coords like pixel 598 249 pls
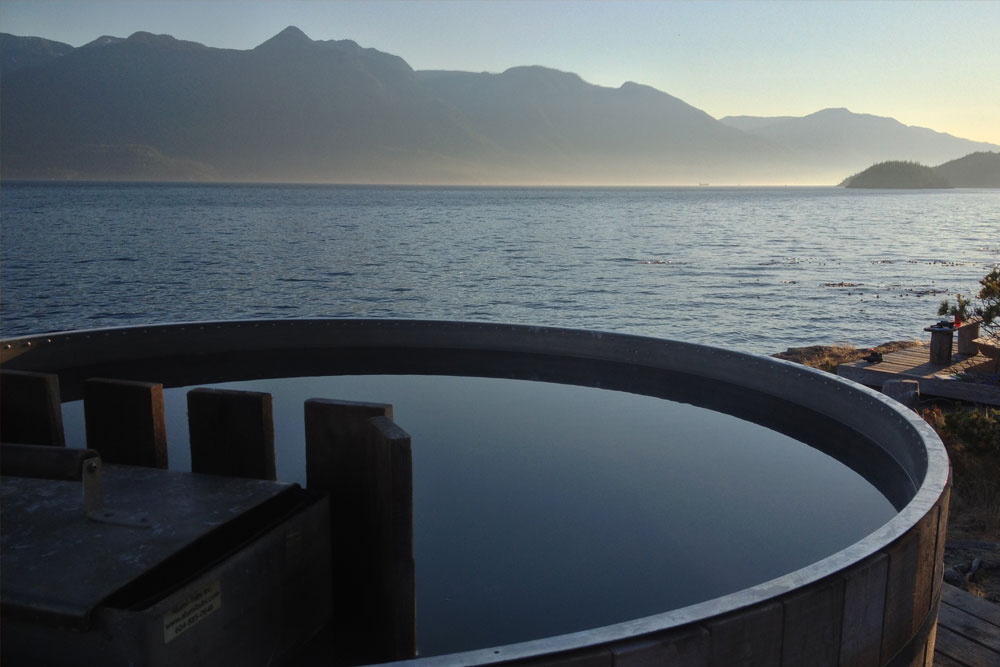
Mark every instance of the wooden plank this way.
pixel 906 392
pixel 913 363
pixel 392 501
pixel 232 433
pixel 929 648
pixel 941 347
pixel 969 603
pixel 969 654
pixel 961 391
pixel 45 462
pixel 337 462
pixel 909 595
pixel 749 638
pixel 971 627
pixel 919 659
pixel 941 660
pixel 927 529
pixel 812 626
pixel 967 332
pixel 929 386
pixel 686 648
pixel 913 644
pixel 331 428
pixel 356 452
pixel 30 408
pixel 897 622
pixel 125 421
pixel 973 544
pixel 916 361
pixel 864 607
pixel 942 538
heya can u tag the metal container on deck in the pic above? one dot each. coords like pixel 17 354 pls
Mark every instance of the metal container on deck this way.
pixel 174 569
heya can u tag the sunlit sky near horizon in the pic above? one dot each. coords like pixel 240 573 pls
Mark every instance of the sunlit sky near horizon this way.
pixel 931 64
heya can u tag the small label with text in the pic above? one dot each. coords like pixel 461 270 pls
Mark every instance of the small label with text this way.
pixel 192 611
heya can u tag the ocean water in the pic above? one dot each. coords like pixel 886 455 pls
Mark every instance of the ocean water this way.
pixel 751 269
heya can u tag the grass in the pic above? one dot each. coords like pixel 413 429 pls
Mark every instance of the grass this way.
pixel 971 435
pixel 828 357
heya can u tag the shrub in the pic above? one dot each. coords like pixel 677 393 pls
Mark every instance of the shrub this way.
pixel 988 306
pixel 972 437
pixel 978 430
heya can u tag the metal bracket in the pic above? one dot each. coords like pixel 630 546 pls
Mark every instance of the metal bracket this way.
pixel 71 465
pixel 93 488
pixel 93 500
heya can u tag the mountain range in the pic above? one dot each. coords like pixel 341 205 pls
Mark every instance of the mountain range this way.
pixel 152 107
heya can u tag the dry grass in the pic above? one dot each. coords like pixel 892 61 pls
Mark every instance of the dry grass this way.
pixel 828 357
pixel 972 438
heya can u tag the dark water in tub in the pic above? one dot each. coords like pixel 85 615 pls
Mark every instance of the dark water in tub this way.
pixel 543 509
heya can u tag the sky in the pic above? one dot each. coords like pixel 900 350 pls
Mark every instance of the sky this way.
pixel 931 64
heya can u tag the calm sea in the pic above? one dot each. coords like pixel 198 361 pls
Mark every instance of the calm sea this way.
pixel 746 268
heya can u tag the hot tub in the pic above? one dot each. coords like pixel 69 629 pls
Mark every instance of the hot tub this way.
pixel 872 600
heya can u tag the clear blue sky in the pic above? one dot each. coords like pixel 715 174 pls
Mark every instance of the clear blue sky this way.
pixel 933 64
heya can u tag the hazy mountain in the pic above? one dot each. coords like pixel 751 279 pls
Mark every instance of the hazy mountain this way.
pixel 295 109
pixel 291 109
pixel 560 124
pixel 835 140
pixel 17 52
pixel 151 106
pixel 978 170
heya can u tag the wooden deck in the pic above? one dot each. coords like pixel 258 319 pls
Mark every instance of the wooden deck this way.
pixel 972 379
pixel 968 631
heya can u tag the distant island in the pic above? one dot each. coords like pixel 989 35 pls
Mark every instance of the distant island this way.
pixel 976 170
pixel 897 174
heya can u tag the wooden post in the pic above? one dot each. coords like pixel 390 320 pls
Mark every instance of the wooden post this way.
pixel 232 433
pixel 331 426
pixel 967 333
pixel 30 408
pixel 356 452
pixel 906 392
pixel 901 595
pixel 940 346
pixel 391 497
pixel 125 421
